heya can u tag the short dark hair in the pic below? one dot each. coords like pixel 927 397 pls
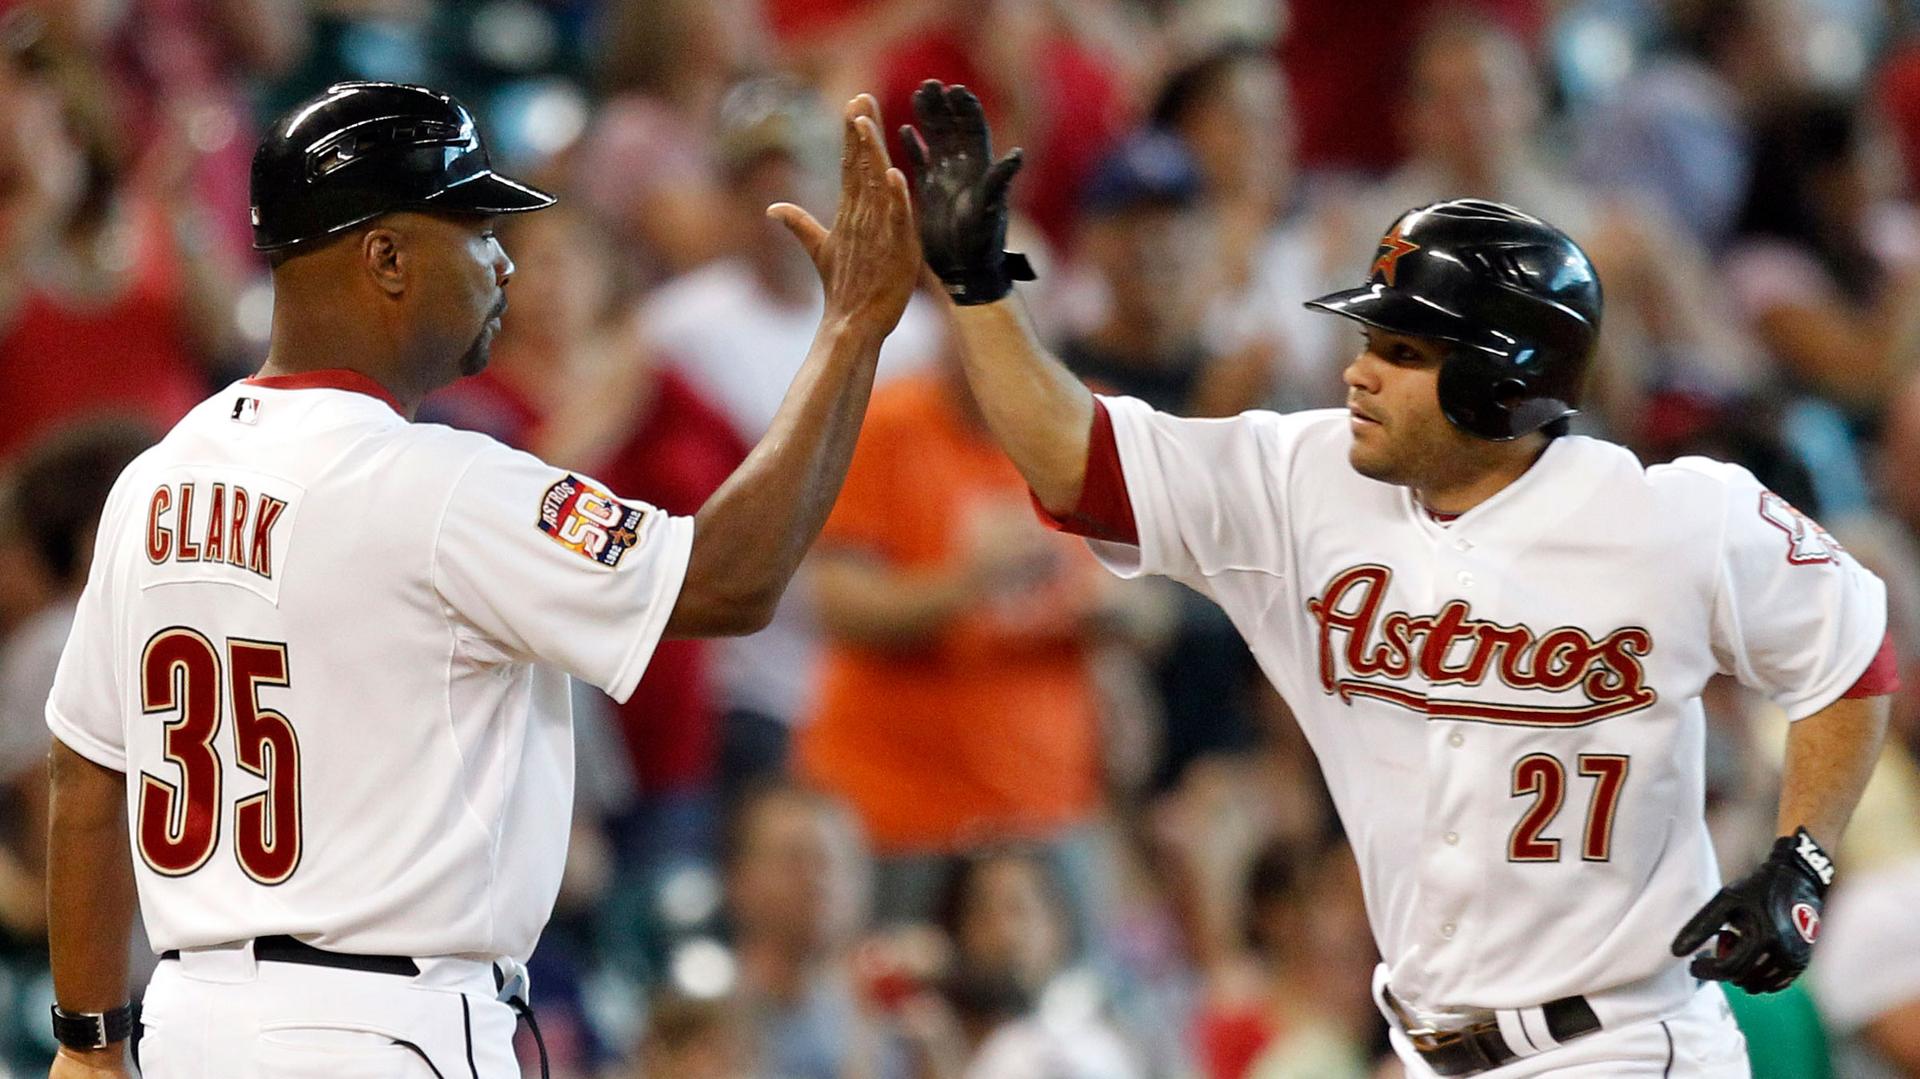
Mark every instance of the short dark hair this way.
pixel 1190 85
pixel 742 815
pixel 61 485
pixel 964 872
pixel 1703 28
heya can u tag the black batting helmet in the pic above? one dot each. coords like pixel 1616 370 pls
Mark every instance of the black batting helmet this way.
pixel 362 149
pixel 1515 297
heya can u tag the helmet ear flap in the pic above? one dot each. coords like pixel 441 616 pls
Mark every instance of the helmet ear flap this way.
pixel 1478 395
pixel 1483 396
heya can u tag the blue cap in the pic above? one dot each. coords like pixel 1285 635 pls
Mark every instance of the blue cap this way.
pixel 1151 168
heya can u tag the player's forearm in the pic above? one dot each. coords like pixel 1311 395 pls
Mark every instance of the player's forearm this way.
pixel 751 534
pixel 1830 756
pixel 877 606
pixel 90 893
pixel 1037 410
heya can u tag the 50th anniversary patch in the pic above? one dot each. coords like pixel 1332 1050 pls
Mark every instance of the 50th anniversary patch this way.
pixel 588 521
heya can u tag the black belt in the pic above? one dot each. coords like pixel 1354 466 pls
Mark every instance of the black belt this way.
pixel 285 949
pixel 1481 1047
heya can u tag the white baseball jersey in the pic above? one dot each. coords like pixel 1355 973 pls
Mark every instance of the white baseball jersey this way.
pixel 1506 708
pixel 326 647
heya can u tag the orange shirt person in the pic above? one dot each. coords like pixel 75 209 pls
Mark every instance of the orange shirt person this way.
pixel 955 704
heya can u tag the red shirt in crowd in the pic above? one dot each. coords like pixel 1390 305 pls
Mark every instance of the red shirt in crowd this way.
pixel 1085 114
pixel 1348 72
pixel 63 358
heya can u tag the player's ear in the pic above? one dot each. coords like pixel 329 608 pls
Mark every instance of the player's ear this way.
pixel 382 252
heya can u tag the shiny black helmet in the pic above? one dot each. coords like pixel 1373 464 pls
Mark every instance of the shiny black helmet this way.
pixel 362 149
pixel 1516 298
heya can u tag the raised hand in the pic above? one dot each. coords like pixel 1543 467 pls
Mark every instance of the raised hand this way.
pixel 870 260
pixel 962 195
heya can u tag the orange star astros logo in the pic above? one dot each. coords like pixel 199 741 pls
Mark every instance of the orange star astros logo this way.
pixel 1388 261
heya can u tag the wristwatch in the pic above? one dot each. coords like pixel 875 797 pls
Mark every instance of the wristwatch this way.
pixel 92 1030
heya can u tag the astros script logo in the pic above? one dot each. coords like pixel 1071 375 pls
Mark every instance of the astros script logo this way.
pixel 588 521
pixel 1382 649
pixel 1392 247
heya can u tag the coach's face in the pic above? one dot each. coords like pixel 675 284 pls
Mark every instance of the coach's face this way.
pixel 1393 401
pixel 459 277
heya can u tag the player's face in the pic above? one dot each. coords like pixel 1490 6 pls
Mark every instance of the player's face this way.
pixel 462 272
pixel 1399 433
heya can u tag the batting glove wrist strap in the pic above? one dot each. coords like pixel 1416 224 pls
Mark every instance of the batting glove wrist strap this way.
pixel 984 284
pixel 1765 923
pixel 1806 856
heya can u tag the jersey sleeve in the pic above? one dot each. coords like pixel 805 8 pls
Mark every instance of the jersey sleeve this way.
pixel 1795 617
pixel 1104 512
pixel 85 710
pixel 555 567
pixel 1203 493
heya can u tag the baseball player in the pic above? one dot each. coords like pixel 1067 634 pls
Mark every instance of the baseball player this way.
pixel 314 703
pixel 1494 634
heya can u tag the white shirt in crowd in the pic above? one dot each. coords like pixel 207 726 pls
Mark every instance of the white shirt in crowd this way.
pixel 742 348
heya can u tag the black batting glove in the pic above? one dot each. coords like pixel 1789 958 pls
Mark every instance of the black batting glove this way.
pixel 1766 923
pixel 961 195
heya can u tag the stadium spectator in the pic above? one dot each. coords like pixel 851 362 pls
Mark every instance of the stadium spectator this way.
pixel 182 68
pixel 1680 132
pixel 1348 74
pixel 1149 251
pixel 798 885
pixel 646 163
pixel 955 704
pixel 691 1038
pixel 736 330
pixel 1024 1011
pixel 1044 89
pixel 1826 265
pixel 48 512
pixel 1297 1002
pixel 103 264
pixel 1230 106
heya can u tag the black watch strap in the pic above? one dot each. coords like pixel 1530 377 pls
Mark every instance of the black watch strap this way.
pixel 92 1030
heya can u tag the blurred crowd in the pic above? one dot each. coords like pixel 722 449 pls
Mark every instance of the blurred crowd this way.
pixel 969 808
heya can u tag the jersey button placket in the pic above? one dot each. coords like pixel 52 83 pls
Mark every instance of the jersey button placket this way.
pixel 1448 874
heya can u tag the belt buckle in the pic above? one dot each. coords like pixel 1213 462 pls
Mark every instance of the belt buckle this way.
pixel 1430 1039
pixel 1424 1036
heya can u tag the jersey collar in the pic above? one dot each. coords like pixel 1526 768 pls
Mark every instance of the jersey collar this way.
pixel 335 378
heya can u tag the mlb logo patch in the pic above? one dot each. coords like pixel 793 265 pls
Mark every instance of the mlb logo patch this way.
pixel 246 410
pixel 589 522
